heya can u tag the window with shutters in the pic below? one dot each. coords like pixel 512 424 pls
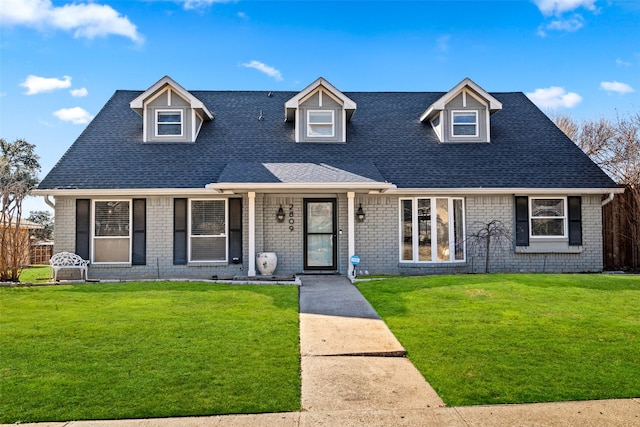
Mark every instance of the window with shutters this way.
pixel 208 231
pixel 111 232
pixel 548 217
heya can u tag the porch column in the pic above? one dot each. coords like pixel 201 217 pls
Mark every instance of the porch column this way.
pixel 251 269
pixel 351 238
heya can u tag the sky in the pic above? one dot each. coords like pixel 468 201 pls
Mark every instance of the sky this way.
pixel 61 61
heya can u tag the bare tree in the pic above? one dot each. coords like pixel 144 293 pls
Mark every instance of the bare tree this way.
pixel 485 239
pixel 614 145
pixel 19 167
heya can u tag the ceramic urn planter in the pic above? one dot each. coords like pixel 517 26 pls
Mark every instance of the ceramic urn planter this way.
pixel 266 263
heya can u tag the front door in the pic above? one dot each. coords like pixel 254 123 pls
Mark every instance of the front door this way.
pixel 320 234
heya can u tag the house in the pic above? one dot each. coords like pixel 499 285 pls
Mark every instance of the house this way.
pixel 16 242
pixel 171 183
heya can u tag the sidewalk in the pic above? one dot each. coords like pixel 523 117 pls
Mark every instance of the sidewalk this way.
pixel 354 373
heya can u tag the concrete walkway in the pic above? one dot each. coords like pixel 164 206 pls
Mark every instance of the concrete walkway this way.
pixel 354 373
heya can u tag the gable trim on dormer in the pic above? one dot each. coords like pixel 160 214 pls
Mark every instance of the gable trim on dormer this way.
pixel 177 98
pixel 440 112
pixel 320 87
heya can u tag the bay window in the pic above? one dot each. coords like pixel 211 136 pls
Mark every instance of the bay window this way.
pixel 432 229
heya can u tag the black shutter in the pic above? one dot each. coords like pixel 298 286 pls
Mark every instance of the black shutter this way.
pixel 522 221
pixel 180 231
pixel 235 231
pixel 575 220
pixel 139 253
pixel 83 227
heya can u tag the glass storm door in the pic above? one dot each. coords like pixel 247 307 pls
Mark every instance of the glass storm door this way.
pixel 320 234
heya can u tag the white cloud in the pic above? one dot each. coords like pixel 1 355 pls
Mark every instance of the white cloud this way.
pixel 558 7
pixel 88 20
pixel 79 93
pixel 569 25
pixel 267 69
pixel 75 115
pixel 443 42
pixel 618 87
pixel 199 4
pixel 554 97
pixel 36 84
pixel 622 63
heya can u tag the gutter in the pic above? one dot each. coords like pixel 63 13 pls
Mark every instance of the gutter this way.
pixel 608 200
pixel 369 188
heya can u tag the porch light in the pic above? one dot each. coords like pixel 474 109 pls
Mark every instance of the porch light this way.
pixel 280 215
pixel 360 214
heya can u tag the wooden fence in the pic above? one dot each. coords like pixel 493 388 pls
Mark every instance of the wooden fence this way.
pixel 41 253
pixel 621 231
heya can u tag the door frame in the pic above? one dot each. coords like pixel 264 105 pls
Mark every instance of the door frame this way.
pixel 334 233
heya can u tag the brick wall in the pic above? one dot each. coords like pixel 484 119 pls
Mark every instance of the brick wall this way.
pixel 376 239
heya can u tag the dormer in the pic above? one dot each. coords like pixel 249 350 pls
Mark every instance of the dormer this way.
pixel 320 113
pixel 170 113
pixel 462 114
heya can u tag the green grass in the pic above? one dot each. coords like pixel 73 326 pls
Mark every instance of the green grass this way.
pixel 35 274
pixel 105 351
pixel 486 339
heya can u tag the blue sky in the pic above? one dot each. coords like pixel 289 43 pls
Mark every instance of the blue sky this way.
pixel 60 61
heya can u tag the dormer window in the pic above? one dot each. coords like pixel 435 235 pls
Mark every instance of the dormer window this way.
pixel 464 123
pixel 463 114
pixel 320 113
pixel 169 123
pixel 170 113
pixel 320 124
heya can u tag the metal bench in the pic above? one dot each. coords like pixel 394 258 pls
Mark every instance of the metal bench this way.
pixel 67 260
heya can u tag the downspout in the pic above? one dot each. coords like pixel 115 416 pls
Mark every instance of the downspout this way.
pixel 51 204
pixel 608 199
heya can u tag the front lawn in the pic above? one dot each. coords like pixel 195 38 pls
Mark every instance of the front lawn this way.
pixel 485 339
pixel 137 350
pixel 35 274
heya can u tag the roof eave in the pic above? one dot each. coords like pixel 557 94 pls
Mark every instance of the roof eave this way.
pixel 506 191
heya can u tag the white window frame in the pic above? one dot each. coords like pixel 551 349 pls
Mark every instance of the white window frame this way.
pixel 434 231
pixel 94 237
pixel 157 123
pixel 225 234
pixel 475 123
pixel 564 218
pixel 332 124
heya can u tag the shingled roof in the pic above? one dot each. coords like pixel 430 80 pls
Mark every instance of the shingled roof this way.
pixel 386 142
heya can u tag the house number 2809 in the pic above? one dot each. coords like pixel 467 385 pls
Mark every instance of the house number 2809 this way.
pixel 291 220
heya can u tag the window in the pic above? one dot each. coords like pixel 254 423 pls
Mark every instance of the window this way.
pixel 320 124
pixel 207 230
pixel 111 231
pixel 168 122
pixel 548 217
pixel 464 123
pixel 432 229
